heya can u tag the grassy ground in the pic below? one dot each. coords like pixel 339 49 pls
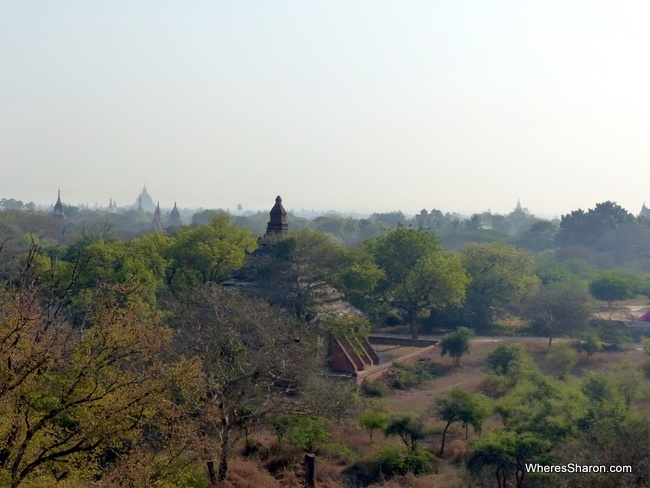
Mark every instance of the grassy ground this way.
pixel 419 401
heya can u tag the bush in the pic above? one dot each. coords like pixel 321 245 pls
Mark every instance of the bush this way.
pixel 414 375
pixel 373 388
pixel 494 386
pixel 562 358
pixel 394 460
pixel 500 359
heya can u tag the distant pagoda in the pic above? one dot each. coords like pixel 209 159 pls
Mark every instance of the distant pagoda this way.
pixel 174 218
pixel 278 223
pixel 156 224
pixel 57 212
pixel 144 201
pixel 645 212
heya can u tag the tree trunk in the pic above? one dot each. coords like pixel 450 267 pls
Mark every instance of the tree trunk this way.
pixel 225 451
pixel 211 473
pixel 310 470
pixel 444 434
pixel 413 325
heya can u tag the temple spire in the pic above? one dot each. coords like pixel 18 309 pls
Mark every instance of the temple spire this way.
pixel 278 223
pixel 58 207
pixel 156 224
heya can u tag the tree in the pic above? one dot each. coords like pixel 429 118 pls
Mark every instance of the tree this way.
pixel 507 453
pixel 462 406
pixel 206 253
pixel 614 285
pixel 303 270
pixel 559 309
pixel 500 274
pixel 562 358
pixel 589 342
pixel 501 358
pixel 418 276
pixel 251 354
pixel 409 429
pixel 372 420
pixel 456 344
pixel 587 228
pixel 69 397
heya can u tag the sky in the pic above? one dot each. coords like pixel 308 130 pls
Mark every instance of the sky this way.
pixel 462 106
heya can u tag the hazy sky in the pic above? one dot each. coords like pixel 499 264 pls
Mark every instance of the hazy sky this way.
pixel 352 105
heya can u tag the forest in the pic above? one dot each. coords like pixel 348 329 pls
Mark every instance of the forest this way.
pixel 196 356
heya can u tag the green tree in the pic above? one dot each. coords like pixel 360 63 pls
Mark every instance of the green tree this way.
pixel 68 396
pixel 464 407
pixel 372 421
pixel 589 342
pixel 206 253
pixel 456 344
pixel 500 275
pixel 614 285
pixel 501 358
pixel 303 270
pixel 559 309
pixel 418 277
pixel 562 358
pixel 587 228
pixel 407 428
pixel 506 453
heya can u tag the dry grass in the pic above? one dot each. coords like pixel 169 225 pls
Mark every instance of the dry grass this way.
pixel 249 474
pixel 286 466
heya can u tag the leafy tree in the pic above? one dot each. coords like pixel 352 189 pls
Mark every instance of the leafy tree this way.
pixel 539 237
pixel 251 356
pixel 562 358
pixel 299 272
pixel 589 342
pixel 68 397
pixel 614 285
pixel 616 443
pixel 500 359
pixel 544 406
pixel 500 274
pixel 456 344
pixel 559 309
pixel 461 406
pixel 372 421
pixel 418 276
pixel 206 253
pixel 389 219
pixel 407 428
pixel 507 453
pixel 580 227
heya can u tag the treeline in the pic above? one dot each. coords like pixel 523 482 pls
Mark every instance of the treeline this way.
pixel 148 357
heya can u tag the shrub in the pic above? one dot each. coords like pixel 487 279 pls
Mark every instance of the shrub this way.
pixel 500 359
pixel 494 386
pixel 373 388
pixel 562 358
pixel 394 460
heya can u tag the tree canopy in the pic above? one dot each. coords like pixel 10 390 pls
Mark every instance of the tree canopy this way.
pixel 418 276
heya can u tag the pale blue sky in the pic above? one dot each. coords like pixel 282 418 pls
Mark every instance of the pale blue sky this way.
pixel 365 105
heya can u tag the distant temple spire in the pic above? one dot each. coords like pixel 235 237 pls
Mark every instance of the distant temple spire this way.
pixel 58 208
pixel 278 223
pixel 156 224
pixel 518 207
pixel 174 217
pixel 645 212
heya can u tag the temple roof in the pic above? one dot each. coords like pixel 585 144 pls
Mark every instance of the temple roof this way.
pixel 278 223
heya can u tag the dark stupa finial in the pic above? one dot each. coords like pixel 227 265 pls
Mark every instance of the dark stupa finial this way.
pixel 58 207
pixel 278 223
